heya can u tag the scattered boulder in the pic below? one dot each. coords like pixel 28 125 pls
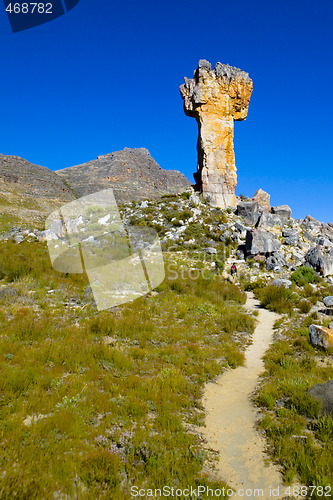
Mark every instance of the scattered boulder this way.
pixel 282 211
pixel 321 336
pixel 321 261
pixel 311 219
pixel 271 221
pixel 211 250
pixel 291 237
pixel 249 210
pixel 324 394
pixel 322 241
pixel 275 261
pixel 241 229
pixel 282 282
pixel 328 301
pixel 260 241
pixel 263 199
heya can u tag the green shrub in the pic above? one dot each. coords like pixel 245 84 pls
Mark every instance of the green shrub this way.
pixel 304 306
pixel 304 275
pixel 277 298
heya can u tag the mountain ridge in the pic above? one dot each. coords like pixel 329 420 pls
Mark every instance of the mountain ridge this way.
pixel 30 192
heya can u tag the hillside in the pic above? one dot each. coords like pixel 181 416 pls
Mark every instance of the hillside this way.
pixel 132 173
pixel 28 191
pixel 94 402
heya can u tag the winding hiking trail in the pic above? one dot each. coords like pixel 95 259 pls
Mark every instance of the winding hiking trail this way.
pixel 231 418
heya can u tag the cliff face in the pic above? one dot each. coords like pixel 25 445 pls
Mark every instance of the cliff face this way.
pixel 216 98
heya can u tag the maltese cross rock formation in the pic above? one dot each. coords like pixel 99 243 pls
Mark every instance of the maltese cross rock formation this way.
pixel 216 98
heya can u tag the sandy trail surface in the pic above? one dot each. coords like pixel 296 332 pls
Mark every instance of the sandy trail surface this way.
pixel 231 420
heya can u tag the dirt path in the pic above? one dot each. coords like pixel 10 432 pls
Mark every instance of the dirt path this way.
pixel 231 418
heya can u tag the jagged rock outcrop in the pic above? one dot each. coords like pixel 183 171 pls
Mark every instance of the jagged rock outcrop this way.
pixel 132 174
pixel 263 199
pixel 216 98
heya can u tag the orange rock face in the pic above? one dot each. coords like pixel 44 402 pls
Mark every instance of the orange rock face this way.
pixel 215 98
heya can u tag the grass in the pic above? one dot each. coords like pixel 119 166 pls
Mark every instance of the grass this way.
pixel 107 394
pixel 299 437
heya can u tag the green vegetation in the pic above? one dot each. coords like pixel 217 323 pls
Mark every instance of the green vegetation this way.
pixel 299 438
pixel 94 402
pixel 304 275
pixel 276 298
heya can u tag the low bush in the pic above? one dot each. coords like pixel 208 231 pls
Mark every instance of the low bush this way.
pixel 277 298
pixel 304 275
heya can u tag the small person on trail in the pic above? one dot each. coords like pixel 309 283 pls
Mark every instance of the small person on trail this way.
pixel 233 271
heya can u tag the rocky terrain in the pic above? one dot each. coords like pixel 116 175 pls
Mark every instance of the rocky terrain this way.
pixel 216 98
pixel 276 242
pixel 132 174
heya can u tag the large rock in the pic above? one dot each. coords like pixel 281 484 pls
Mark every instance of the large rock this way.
pixel 321 336
pixel 249 210
pixel 291 237
pixel 275 261
pixel 216 98
pixel 283 211
pixel 320 260
pixel 271 221
pixel 263 199
pixel 260 241
pixel 324 394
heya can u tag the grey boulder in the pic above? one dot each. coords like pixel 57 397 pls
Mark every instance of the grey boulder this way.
pixel 249 210
pixel 320 336
pixel 324 394
pixel 282 211
pixel 282 282
pixel 321 261
pixel 271 221
pixel 328 301
pixel 260 241
pixel 274 261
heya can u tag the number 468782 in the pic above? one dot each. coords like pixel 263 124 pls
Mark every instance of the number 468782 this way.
pixel 29 8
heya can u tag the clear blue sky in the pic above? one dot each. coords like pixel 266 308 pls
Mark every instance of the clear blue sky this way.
pixel 105 76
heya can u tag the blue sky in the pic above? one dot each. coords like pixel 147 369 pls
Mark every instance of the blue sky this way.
pixel 106 76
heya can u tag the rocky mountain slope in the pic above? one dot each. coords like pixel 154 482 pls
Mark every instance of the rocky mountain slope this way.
pixel 253 233
pixel 132 173
pixel 29 191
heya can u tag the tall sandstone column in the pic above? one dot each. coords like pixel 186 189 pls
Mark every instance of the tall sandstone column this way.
pixel 215 98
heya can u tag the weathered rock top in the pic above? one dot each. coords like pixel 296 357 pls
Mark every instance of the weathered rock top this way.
pixel 210 85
